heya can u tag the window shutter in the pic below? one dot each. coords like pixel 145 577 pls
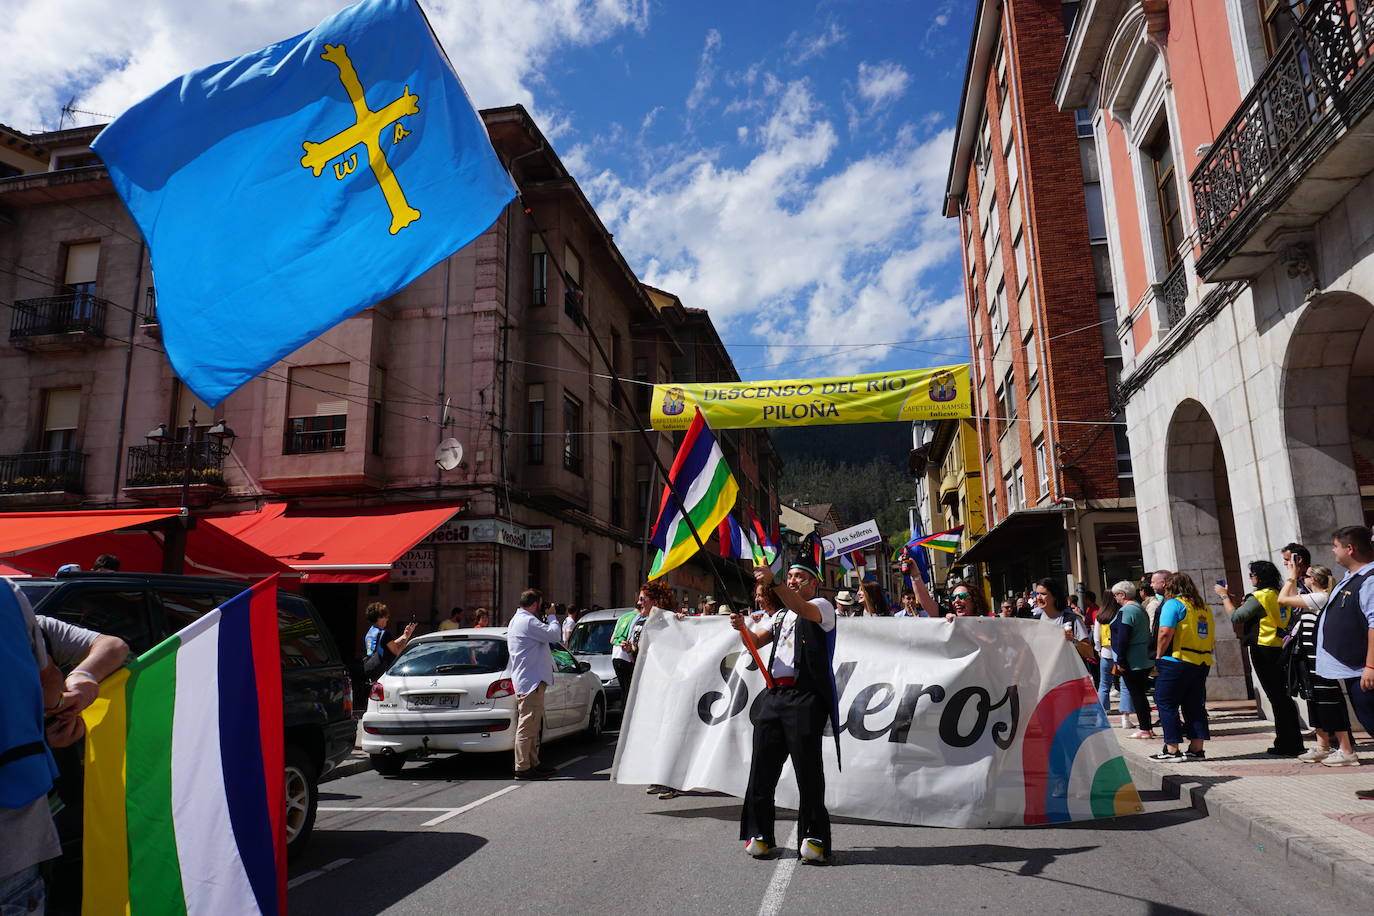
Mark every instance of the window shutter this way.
pixel 82 261
pixel 63 409
pixel 316 391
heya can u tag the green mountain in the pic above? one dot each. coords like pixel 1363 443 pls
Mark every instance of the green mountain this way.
pixel 860 468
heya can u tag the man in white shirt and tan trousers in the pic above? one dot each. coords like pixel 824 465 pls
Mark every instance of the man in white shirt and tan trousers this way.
pixel 529 639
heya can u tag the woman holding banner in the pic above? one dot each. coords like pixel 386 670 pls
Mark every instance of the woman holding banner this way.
pixel 792 713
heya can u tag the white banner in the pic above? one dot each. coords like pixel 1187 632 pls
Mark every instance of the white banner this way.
pixel 976 723
pixel 851 539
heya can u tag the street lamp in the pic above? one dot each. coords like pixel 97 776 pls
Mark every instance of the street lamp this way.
pixel 174 545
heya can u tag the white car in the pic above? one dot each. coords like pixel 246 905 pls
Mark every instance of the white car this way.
pixel 451 691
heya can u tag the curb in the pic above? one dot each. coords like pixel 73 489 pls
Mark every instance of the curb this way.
pixel 350 767
pixel 1317 857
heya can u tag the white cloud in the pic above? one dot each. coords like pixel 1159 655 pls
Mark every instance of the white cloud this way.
pixel 792 243
pixel 805 47
pixel 706 72
pixel 109 55
pixel 882 84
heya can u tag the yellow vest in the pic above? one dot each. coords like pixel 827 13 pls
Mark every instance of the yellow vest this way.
pixel 1275 617
pixel 1195 636
pixel 1105 635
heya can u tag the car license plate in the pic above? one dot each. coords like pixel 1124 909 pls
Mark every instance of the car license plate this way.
pixel 432 699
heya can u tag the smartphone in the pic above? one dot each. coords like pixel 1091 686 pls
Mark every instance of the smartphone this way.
pixel 1221 582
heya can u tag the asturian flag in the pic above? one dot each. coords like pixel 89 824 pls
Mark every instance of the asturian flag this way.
pixel 947 541
pixel 185 800
pixel 283 191
pixel 708 489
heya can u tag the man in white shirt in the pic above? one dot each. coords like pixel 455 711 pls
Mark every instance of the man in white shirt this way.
pixel 791 715
pixel 529 638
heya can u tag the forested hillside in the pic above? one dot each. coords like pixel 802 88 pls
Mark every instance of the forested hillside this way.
pixel 859 468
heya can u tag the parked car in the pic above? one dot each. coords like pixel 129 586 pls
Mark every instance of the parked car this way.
pixel 145 608
pixel 591 642
pixel 451 691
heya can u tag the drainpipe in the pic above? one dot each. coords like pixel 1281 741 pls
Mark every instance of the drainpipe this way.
pixel 128 374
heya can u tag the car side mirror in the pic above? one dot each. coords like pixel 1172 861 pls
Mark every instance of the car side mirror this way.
pixel 584 667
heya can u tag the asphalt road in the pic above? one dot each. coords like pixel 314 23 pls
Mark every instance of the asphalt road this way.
pixel 457 834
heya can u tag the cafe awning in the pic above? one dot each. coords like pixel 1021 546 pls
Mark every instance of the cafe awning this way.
pixel 1021 533
pixel 25 531
pixel 338 545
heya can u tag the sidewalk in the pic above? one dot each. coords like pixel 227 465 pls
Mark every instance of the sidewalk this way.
pixel 1305 814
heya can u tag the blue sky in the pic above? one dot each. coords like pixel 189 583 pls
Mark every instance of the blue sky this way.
pixel 778 163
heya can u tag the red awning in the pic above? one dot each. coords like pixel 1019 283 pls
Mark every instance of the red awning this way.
pixel 25 531
pixel 209 552
pixel 338 545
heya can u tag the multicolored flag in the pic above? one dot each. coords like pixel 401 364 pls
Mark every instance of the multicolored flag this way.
pixel 185 797
pixel 290 188
pixel 769 555
pixel 735 542
pixel 708 489
pixel 948 541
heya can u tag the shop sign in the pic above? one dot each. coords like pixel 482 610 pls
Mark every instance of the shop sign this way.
pixel 492 531
pixel 415 566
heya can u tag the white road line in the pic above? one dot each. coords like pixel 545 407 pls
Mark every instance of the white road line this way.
pixel 468 807
pixel 324 869
pixel 384 809
pixel 568 763
pixel 782 876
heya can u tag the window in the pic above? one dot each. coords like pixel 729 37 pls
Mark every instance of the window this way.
pixel 1097 219
pixel 984 151
pixel 572 434
pixel 994 226
pixel 1083 121
pixel 643 390
pixel 1000 66
pixel 187 404
pixel 995 310
pixel 573 282
pixel 316 409
pixel 1042 468
pixel 83 261
pixel 534 423
pixel 642 494
pixel 1069 12
pixel 1125 473
pixel 76 161
pixel 116 612
pixel 1018 251
pixel 1032 364
pixel 61 413
pixel 539 271
pixel 615 368
pixel 1018 481
pixel 1280 18
pixel 617 485
pixel 1009 386
pixel 1159 153
pixel 378 414
pixel 1013 170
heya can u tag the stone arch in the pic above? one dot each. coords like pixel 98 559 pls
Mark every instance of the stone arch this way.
pixel 1204 526
pixel 1328 414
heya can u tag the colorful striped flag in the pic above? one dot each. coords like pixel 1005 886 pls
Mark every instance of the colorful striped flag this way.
pixel 185 797
pixel 735 542
pixel 768 553
pixel 948 541
pixel 708 489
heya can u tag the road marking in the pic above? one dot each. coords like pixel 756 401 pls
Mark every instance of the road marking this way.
pixel 468 807
pixel 323 869
pixel 782 876
pixel 385 809
pixel 568 763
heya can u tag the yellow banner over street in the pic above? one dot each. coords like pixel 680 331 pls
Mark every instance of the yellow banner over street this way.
pixel 941 393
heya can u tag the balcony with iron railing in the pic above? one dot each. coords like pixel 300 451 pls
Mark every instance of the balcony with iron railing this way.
pixel 160 469
pixel 71 320
pixel 1291 152
pixel 38 478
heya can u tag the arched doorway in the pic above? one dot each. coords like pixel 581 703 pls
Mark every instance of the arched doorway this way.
pixel 1328 367
pixel 1204 528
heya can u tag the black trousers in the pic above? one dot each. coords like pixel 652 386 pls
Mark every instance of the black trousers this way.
pixel 1273 677
pixel 1137 683
pixel 624 672
pixel 790 723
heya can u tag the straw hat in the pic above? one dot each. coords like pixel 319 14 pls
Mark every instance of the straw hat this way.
pixel 844 598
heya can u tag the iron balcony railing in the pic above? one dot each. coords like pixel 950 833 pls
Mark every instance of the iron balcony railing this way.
pixel 1317 77
pixel 164 464
pixel 68 313
pixel 42 472
pixel 1172 295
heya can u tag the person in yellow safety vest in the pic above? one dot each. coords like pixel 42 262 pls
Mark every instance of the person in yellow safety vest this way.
pixel 1266 624
pixel 1187 638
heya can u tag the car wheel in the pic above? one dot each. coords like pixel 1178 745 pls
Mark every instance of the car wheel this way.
pixel 302 799
pixel 388 764
pixel 596 720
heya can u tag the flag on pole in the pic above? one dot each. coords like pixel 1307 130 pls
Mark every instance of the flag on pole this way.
pixel 700 474
pixel 768 553
pixel 185 799
pixel 288 189
pixel 948 541
pixel 735 543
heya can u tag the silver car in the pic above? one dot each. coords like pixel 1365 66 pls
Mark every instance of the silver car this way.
pixel 451 691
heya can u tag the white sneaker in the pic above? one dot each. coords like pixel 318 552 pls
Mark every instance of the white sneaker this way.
pixel 757 847
pixel 813 851
pixel 1341 759
pixel 1316 755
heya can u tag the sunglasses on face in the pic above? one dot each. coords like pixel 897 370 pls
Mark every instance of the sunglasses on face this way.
pixel 960 596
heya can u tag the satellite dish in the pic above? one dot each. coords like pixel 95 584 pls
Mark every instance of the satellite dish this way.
pixel 449 454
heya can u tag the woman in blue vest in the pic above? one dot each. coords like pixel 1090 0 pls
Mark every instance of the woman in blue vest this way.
pixel 1187 638
pixel 1266 624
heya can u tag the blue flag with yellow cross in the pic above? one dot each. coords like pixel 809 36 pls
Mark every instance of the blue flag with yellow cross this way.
pixel 287 189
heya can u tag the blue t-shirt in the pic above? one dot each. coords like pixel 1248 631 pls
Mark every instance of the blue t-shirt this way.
pixel 1171 613
pixel 370 640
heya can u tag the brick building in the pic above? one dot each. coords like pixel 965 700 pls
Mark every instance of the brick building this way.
pixel 1232 137
pixel 1023 184
pixel 555 489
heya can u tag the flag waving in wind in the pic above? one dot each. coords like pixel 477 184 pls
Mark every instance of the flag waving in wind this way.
pixel 947 541
pixel 708 489
pixel 282 192
pixel 185 798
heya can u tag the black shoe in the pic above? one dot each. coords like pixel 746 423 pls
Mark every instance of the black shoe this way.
pixel 1366 794
pixel 1277 751
pixel 1195 755
pixel 1169 756
pixel 530 774
pixel 544 768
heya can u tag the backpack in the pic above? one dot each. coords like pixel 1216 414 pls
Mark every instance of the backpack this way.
pixel 374 665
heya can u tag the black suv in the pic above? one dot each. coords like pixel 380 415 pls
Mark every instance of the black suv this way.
pixel 145 608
